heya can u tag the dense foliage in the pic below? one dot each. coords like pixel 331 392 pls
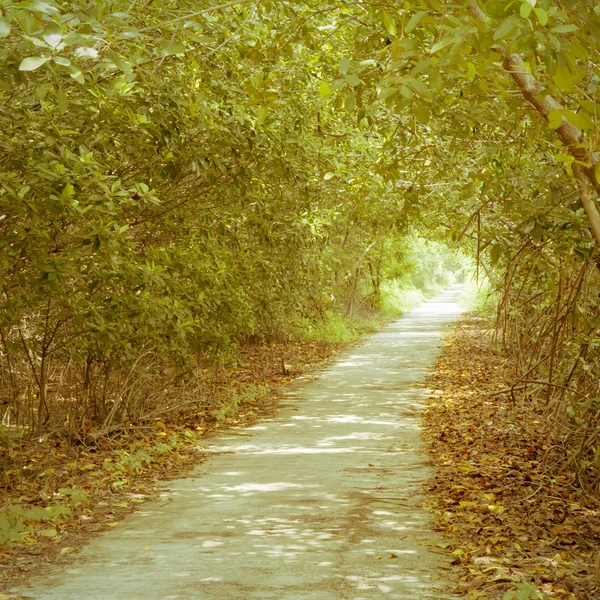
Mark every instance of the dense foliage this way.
pixel 170 187
pixel 178 178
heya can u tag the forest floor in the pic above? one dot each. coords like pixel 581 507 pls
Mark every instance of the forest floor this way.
pixel 509 517
pixel 121 473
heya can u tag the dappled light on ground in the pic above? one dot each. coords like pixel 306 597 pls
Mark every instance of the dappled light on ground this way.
pixel 322 502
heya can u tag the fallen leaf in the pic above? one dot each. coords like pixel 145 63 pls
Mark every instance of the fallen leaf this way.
pixel 49 533
pixel 508 515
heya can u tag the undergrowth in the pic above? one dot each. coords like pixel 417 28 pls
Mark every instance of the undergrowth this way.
pixel 57 491
pixel 336 326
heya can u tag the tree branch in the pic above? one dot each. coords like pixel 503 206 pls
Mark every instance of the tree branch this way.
pixel 193 15
pixel 588 204
pixel 570 135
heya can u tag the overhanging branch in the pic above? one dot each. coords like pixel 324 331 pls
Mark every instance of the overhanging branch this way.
pixel 570 135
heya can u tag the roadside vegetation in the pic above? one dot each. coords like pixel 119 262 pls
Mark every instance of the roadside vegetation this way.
pixel 184 184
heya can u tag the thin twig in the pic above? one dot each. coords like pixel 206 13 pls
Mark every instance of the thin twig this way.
pixel 193 15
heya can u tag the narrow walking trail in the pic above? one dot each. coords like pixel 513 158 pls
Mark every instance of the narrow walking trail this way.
pixel 322 502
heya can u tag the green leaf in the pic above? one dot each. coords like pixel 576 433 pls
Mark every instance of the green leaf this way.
pixel 440 44
pixel 414 21
pixel 525 9
pixel 554 119
pixel 353 79
pixel 41 91
pixel 4 27
pixel 580 119
pixel 50 533
pixel 590 106
pixel 324 90
pixel 495 253
pixel 61 60
pixel 43 7
pixel 471 71
pixel 505 29
pixel 77 75
pixel 129 33
pixel 328 176
pixel 435 80
pixel 174 47
pixel 68 191
pixel 542 16
pixel 407 92
pixel 387 93
pixel 523 591
pixel 389 23
pixel 52 34
pixel 62 101
pixel 566 158
pixel 85 52
pixel 124 65
pixel 422 113
pixel 27 21
pixel 344 66
pixel 419 86
pixel 369 62
pixel 32 63
pixel 564 29
pixel 564 79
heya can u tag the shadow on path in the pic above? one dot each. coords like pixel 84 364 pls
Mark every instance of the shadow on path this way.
pixel 321 503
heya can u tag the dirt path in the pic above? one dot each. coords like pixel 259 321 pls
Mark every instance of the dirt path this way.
pixel 321 503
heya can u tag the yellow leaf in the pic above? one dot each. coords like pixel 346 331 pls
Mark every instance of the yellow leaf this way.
pixel 112 524
pixel 324 90
pixel 147 548
pixel 554 119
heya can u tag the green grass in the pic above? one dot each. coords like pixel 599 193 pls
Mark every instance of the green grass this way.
pixel 478 297
pixel 398 298
pixel 335 328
